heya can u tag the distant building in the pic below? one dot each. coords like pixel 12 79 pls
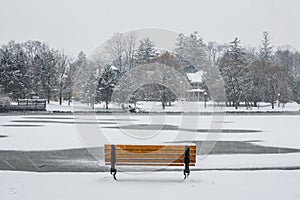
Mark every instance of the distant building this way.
pixel 197 91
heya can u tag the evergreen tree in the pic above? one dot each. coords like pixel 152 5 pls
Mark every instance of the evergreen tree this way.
pixel 12 71
pixel 106 84
pixel 192 49
pixel 235 72
pixel 82 70
pixel 146 51
pixel 266 50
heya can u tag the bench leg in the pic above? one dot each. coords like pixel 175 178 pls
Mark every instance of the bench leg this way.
pixel 186 173
pixel 186 170
pixel 113 172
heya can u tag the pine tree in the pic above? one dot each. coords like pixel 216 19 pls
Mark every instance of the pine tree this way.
pixel 12 81
pixel 146 51
pixel 192 49
pixel 106 84
pixel 266 50
pixel 235 72
pixel 82 69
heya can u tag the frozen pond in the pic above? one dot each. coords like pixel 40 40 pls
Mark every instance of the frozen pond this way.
pixel 62 143
pixel 251 154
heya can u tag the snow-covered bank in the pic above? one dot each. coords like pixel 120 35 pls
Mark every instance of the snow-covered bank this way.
pixel 177 106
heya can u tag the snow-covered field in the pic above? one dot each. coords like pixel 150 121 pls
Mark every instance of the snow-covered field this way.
pixel 178 106
pixel 249 142
pixel 201 185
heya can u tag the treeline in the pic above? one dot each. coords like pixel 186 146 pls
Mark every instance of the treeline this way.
pixel 257 75
pixel 250 74
pixel 32 67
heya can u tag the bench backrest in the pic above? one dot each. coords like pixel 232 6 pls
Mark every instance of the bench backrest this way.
pixel 150 155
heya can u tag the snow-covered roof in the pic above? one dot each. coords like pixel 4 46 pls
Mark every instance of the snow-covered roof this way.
pixel 196 90
pixel 114 68
pixel 195 77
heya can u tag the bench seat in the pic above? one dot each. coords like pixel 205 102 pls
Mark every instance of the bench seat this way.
pixel 150 155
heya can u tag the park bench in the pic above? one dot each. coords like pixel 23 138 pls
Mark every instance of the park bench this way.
pixel 150 155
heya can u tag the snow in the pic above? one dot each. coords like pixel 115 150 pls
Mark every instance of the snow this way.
pixel 277 130
pixel 160 185
pixel 177 106
pixel 196 77
pixel 65 132
pixel 196 90
pixel 237 161
pixel 77 106
pixel 114 68
pixel 192 107
pixel 47 136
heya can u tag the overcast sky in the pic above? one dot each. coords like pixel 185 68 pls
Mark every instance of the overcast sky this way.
pixel 75 25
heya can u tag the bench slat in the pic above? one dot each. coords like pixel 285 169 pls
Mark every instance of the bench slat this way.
pixel 151 147
pixel 150 156
pixel 149 160
pixel 159 151
pixel 151 164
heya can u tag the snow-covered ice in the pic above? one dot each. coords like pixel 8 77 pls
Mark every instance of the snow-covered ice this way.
pixel 54 132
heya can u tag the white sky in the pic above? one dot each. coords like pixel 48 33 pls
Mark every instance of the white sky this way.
pixel 75 25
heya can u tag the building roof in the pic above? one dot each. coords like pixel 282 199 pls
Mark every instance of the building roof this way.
pixel 114 68
pixel 195 77
pixel 196 90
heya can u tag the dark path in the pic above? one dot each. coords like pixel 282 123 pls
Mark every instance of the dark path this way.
pixel 239 147
pixel 71 160
pixel 81 160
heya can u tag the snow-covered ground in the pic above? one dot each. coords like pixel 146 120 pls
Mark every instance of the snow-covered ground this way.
pixel 177 106
pixel 54 132
pixel 201 185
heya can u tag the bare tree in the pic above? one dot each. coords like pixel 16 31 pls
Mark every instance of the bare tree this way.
pixel 115 49
pixel 130 49
pixel 121 49
pixel 62 64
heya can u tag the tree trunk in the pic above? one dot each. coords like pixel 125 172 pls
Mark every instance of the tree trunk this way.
pixel 60 98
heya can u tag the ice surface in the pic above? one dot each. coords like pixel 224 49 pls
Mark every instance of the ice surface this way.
pixel 54 132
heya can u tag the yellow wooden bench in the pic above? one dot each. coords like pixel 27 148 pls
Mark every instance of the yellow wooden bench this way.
pixel 150 155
